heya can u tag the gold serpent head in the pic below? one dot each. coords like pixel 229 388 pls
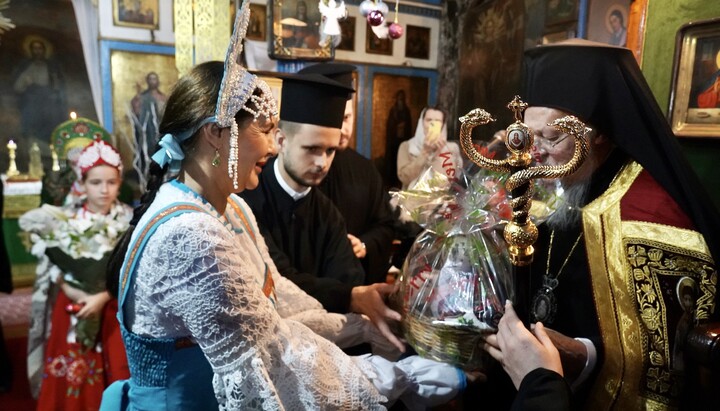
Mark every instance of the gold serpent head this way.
pixel 476 117
pixel 571 125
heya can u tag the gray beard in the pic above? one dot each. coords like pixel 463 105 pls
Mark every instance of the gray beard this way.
pixel 569 212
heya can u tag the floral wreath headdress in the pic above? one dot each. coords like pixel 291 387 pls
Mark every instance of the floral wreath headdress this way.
pixel 98 153
pixel 236 90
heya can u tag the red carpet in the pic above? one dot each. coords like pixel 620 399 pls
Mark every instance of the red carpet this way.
pixel 14 314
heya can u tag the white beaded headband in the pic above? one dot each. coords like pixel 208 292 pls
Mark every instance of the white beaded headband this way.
pixel 236 90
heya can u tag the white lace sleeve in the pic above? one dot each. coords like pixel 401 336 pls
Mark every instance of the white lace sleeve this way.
pixel 345 330
pixel 202 282
pixel 291 298
pixel 418 382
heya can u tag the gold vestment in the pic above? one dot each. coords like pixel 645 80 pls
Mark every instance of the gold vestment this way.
pixel 636 269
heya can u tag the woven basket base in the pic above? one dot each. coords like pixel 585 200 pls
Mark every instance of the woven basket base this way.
pixel 452 345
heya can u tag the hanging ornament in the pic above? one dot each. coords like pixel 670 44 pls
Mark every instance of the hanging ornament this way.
pixel 366 7
pixel 382 30
pixel 396 30
pixel 382 7
pixel 375 17
pixel 331 14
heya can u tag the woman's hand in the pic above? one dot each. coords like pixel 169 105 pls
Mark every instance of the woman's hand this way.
pixel 93 304
pixel 431 146
pixel 370 300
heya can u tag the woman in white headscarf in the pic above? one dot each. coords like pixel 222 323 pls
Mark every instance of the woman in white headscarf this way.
pixel 429 147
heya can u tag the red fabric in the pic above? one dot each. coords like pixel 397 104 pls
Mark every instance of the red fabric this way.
pixel 709 97
pixel 647 201
pixel 76 376
pixel 116 363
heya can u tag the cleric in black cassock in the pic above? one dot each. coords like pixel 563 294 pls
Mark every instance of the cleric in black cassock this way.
pixel 307 240
pixel 304 231
pixel 356 188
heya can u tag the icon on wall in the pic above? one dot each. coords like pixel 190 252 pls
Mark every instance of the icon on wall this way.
pixel 417 42
pixel 136 13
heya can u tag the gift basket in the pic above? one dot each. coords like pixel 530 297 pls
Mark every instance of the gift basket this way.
pixel 457 275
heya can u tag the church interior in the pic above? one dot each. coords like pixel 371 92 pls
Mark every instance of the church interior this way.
pixel 113 64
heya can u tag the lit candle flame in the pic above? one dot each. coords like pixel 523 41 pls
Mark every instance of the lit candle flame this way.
pixel 73 115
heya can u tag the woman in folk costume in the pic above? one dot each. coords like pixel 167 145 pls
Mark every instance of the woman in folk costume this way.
pixel 74 346
pixel 428 148
pixel 207 321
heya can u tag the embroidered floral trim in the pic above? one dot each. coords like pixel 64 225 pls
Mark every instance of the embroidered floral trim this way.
pixel 76 368
pixel 98 153
pixel 653 266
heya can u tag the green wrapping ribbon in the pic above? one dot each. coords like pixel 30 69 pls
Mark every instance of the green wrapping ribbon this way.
pixel 89 276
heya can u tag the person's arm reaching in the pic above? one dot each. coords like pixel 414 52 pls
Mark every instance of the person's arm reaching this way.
pixel 370 300
pixel 518 350
pixel 341 298
pixel 532 362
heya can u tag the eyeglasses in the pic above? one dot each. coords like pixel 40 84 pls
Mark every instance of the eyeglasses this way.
pixel 544 142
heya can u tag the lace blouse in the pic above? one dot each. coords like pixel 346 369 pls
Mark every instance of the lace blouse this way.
pixel 201 275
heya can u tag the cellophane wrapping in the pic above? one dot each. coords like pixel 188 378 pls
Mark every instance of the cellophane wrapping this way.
pixel 457 275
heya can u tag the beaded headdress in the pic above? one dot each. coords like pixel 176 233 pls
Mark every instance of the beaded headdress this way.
pixel 236 90
pixel 99 153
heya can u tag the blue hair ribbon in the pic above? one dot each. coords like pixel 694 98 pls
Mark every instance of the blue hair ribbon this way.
pixel 171 152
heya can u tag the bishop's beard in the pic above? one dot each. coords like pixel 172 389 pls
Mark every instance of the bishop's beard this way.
pixel 568 215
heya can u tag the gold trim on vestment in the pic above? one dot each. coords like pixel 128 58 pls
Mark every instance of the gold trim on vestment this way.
pixel 627 261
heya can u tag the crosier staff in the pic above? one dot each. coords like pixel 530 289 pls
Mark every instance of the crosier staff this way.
pixel 521 233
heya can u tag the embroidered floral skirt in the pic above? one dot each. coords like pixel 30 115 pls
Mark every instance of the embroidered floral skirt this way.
pixel 75 376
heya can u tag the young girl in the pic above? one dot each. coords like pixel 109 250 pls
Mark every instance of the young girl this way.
pixel 82 351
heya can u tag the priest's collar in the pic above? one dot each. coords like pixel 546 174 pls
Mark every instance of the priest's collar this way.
pixel 285 186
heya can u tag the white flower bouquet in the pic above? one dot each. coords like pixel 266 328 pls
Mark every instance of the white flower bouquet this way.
pixel 78 242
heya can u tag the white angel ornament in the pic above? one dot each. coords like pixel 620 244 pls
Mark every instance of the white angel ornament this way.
pixel 332 13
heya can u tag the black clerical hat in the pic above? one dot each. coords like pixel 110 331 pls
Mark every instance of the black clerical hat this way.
pixel 313 99
pixel 342 73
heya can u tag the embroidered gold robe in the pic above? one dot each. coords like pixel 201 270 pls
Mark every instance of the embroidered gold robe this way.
pixel 638 270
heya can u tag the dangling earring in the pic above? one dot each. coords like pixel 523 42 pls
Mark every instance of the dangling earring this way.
pixel 216 159
pixel 233 155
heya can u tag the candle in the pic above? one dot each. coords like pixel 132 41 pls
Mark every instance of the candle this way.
pixel 55 162
pixel 12 168
pixel 35 168
pixel 73 115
